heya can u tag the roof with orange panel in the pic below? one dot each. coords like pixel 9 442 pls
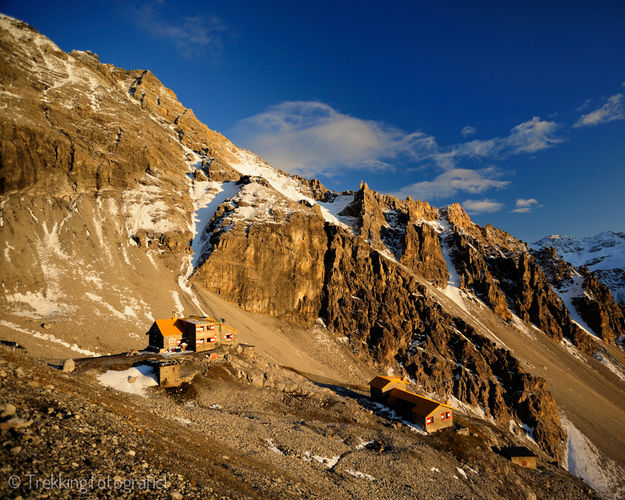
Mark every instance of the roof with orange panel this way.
pixel 422 406
pixel 169 326
pixel 380 382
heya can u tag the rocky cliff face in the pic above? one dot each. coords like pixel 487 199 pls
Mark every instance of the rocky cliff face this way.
pixel 588 299
pixel 603 254
pixel 118 204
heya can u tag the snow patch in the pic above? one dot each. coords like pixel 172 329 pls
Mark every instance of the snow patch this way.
pixel 177 303
pixel 584 460
pixel 273 447
pixel 359 474
pixel 363 444
pixel 567 292
pixel 206 196
pixel 614 368
pixel 40 304
pixel 144 377
pixel 250 164
pixel 99 300
pixel 48 337
pixel 329 462
pixel 568 345
pixel 145 208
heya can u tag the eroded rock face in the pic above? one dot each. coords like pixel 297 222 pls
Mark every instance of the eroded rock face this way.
pixel 592 300
pixel 273 267
pixel 599 309
pixel 422 253
pixel 388 316
pixel 475 274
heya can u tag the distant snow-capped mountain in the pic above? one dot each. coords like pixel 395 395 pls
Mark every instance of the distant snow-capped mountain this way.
pixel 603 253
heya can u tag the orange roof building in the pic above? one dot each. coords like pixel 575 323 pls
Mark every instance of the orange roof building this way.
pixel 166 334
pixel 194 333
pixel 380 385
pixel 429 414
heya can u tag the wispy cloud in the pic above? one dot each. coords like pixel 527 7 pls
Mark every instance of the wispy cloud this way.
pixel 585 105
pixel 191 35
pixel 527 137
pixel 467 131
pixel 525 205
pixel 613 109
pixel 311 137
pixel 476 207
pixel 453 181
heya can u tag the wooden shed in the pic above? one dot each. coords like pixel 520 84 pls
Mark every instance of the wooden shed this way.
pixel 381 385
pixel 429 414
pixel 167 372
pixel 166 334
pixel 520 455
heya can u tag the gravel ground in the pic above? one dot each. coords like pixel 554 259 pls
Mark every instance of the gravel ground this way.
pixel 244 428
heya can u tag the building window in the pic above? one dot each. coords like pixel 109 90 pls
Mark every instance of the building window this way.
pixel 199 328
pixel 448 414
pixel 199 341
pixel 442 416
pixel 430 420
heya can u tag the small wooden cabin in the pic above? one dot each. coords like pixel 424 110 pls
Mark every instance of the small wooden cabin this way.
pixel 427 413
pixel 167 372
pixel 381 385
pixel 166 334
pixel 520 455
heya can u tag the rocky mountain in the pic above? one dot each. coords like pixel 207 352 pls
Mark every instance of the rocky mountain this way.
pixel 603 254
pixel 118 206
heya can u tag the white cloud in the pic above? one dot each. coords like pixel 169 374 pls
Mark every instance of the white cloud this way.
pixel 453 181
pixel 467 131
pixel 484 206
pixel 527 137
pixel 584 105
pixel 525 205
pixel 311 137
pixel 613 109
pixel 191 35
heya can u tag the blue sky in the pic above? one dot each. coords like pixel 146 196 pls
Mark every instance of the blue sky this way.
pixel 517 112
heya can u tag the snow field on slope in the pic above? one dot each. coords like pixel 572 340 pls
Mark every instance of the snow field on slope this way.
pixel 584 460
pixel 250 164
